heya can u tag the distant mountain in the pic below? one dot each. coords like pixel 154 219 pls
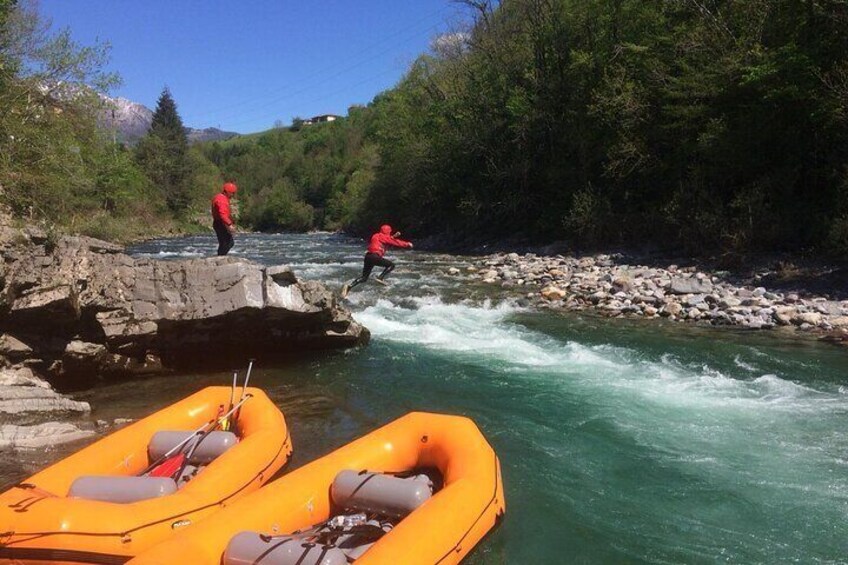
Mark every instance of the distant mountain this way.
pixel 131 121
pixel 208 134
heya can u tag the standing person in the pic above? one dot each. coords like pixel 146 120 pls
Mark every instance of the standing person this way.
pixel 222 221
pixel 374 257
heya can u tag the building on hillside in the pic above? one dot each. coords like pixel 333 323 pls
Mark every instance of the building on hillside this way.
pixel 323 118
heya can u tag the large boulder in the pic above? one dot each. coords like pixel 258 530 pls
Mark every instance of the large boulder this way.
pixel 690 285
pixel 82 308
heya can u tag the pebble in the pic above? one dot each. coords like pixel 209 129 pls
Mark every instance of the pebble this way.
pixel 603 283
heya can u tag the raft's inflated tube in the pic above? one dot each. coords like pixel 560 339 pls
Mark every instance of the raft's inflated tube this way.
pixel 211 446
pixel 247 548
pixel 386 495
pixel 121 490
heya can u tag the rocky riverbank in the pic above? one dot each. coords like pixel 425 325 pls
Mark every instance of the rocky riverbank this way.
pixel 75 311
pixel 608 285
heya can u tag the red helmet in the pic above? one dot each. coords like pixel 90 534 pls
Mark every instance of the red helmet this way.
pixel 386 229
pixel 230 187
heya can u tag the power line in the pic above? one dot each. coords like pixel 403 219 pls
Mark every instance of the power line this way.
pixel 360 83
pixel 322 72
pixel 265 104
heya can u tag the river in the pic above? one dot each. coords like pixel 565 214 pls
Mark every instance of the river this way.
pixel 621 441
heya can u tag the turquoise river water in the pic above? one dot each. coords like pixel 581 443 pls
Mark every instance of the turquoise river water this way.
pixel 621 441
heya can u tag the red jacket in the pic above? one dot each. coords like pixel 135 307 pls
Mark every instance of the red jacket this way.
pixel 221 209
pixel 381 239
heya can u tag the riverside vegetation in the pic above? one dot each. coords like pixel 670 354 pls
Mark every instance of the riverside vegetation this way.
pixel 691 125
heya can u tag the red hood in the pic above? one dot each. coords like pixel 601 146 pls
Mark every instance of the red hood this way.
pixel 386 229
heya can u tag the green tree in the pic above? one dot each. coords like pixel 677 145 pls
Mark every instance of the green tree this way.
pixel 49 141
pixel 163 154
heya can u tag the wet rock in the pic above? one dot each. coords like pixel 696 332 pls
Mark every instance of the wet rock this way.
pixel 21 399
pixel 85 309
pixel 13 348
pixel 40 435
pixel 20 376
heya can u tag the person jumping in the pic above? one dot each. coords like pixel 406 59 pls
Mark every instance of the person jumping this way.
pixel 374 257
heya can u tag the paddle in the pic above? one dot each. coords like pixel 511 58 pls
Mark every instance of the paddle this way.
pixel 222 418
pixel 199 434
pixel 246 380
pixel 226 424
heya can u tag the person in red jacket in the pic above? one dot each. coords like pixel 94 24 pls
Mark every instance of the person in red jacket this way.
pixel 374 257
pixel 222 221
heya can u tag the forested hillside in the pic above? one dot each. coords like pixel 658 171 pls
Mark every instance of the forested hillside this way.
pixel 703 124
pixel 699 124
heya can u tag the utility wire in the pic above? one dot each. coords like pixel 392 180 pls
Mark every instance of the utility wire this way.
pixel 326 96
pixel 266 104
pixel 322 72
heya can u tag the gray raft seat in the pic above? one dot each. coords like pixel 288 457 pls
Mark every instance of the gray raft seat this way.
pixel 213 445
pixel 377 494
pixel 121 490
pixel 124 490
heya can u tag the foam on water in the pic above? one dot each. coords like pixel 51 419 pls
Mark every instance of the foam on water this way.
pixel 484 334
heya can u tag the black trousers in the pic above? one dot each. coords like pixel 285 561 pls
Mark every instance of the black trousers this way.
pixel 225 238
pixel 373 260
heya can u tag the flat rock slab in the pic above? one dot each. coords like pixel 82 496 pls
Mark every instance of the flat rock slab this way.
pixel 40 435
pixel 85 310
pixel 22 399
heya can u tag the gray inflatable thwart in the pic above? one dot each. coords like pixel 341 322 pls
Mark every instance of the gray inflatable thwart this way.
pixel 121 490
pixel 373 493
pixel 213 445
pixel 246 548
pixel 376 493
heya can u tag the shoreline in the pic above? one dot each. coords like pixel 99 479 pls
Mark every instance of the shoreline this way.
pixel 612 286
pixel 758 291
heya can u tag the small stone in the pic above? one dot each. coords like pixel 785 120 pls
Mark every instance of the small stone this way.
pixel 13 348
pixel 672 309
pixel 809 318
pixel 553 293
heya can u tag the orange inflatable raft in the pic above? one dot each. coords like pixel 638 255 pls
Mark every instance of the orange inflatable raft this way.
pixel 94 507
pixel 423 489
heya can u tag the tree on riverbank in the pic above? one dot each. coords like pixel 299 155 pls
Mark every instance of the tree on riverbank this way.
pixel 56 164
pixel 616 121
pixel 314 176
pixel 163 154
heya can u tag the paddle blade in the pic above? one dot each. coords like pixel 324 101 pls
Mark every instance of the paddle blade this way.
pixel 169 466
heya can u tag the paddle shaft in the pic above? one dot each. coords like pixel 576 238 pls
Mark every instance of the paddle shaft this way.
pixel 201 431
pixel 247 378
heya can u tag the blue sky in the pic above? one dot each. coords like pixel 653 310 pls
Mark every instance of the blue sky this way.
pixel 243 64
